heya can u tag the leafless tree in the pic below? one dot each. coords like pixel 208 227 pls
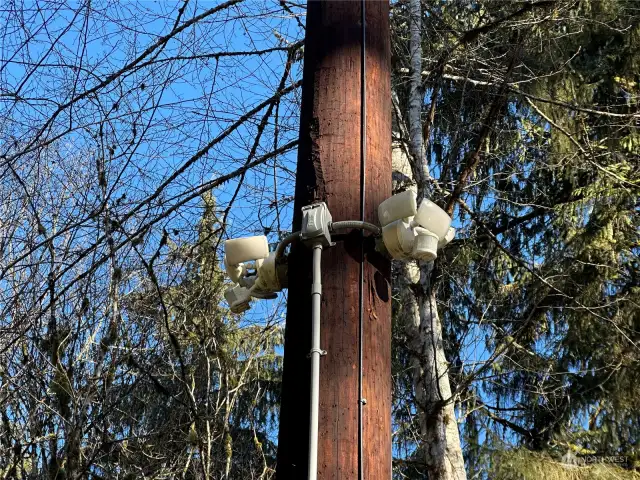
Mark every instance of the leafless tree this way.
pixel 134 138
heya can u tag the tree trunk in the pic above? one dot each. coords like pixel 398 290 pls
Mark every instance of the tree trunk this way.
pixel 416 96
pixel 442 452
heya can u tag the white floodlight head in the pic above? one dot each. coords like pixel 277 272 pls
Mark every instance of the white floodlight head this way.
pixel 239 250
pixel 400 206
pixel 433 218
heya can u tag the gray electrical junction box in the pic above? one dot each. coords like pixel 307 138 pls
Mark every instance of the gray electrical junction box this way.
pixel 315 224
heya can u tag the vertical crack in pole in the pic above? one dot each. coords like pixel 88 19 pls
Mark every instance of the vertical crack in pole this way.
pixel 317 192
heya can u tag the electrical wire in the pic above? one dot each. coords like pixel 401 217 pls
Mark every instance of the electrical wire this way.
pixel 363 160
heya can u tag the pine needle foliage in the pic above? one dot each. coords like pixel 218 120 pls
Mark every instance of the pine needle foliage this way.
pixel 522 464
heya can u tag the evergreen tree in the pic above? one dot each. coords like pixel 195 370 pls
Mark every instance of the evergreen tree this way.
pixel 218 416
pixel 530 115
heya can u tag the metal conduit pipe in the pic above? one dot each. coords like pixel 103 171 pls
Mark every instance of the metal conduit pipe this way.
pixel 356 224
pixel 292 237
pixel 316 352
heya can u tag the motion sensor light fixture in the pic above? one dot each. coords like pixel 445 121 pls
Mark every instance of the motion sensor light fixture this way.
pixel 413 233
pixel 242 255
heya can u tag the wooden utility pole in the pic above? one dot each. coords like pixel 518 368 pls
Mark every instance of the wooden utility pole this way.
pixel 329 170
